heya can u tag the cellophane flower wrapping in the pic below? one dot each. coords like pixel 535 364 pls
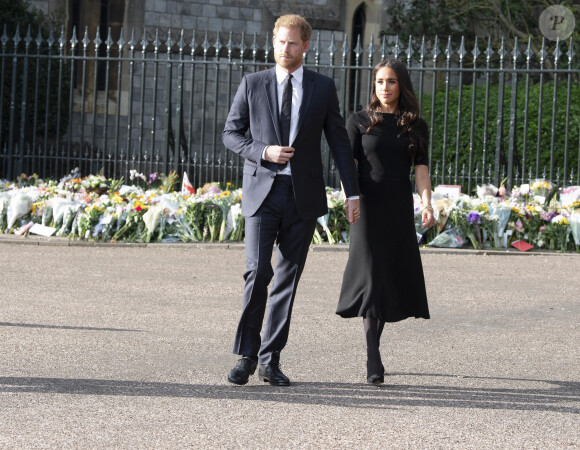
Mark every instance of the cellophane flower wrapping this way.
pixel 574 222
pixel 451 238
pixel 152 218
pixel 19 206
pixel 541 191
pixel 502 211
pixel 323 221
pixel 235 223
pixel 4 199
pixel 569 196
pixel 68 216
pixel 486 190
pixel 557 231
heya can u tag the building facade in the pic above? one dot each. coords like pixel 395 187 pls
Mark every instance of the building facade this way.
pixel 350 17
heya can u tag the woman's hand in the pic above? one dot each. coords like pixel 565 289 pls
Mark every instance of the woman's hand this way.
pixel 428 219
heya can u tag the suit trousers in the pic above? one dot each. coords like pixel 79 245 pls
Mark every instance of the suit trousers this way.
pixel 276 222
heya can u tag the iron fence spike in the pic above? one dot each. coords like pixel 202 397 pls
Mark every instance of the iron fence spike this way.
pixel 39 38
pixel 109 42
pixel 557 53
pixel 332 47
pixel 397 49
pixel 515 51
pixel 73 40
pixel 383 47
pixel 121 40
pixel 543 53
pixel 570 53
pixel 86 41
pixel 345 48
pixel 4 38
pixel 475 52
pixel 461 52
pixel 410 50
pixel 489 50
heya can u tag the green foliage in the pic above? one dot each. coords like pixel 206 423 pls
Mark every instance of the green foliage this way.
pixel 418 18
pixel 21 23
pixel 479 125
pixel 469 18
pixel 14 12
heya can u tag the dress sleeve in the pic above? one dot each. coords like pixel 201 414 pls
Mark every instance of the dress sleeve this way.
pixel 421 155
pixel 353 128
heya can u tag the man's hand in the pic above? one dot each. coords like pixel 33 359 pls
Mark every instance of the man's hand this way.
pixel 277 154
pixel 352 208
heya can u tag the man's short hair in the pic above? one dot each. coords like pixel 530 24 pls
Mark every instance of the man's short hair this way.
pixel 294 20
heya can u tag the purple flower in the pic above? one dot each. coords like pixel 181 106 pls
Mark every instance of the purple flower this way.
pixel 474 218
pixel 547 216
pixel 152 177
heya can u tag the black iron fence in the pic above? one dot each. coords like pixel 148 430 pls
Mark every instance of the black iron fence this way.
pixel 158 103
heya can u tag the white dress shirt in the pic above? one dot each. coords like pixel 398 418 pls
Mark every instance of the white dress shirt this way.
pixel 297 77
pixel 297 93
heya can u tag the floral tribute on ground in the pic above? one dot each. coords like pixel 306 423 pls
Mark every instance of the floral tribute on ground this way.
pixel 163 208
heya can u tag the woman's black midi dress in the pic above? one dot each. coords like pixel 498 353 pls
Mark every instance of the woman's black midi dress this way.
pixel 383 277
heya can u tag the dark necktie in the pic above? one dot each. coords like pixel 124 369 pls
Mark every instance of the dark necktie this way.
pixel 285 114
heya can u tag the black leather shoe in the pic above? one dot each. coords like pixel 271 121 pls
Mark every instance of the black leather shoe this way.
pixel 271 373
pixel 376 379
pixel 241 372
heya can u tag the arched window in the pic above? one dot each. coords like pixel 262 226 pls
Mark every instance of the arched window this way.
pixel 102 15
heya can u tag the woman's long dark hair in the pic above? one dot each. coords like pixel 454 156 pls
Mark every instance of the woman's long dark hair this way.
pixel 408 108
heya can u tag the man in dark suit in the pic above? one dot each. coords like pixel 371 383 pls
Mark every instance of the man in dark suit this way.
pixel 285 109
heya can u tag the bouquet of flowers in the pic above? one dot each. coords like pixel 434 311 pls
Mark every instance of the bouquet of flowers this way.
pixel 151 219
pixel 569 196
pixel 451 238
pixel 3 211
pixel 486 190
pixel 224 201
pixel 502 211
pixel 20 205
pixel 95 183
pixel 557 232
pixel 541 191
pixel 236 221
pixel 337 221
pixel 574 221
pixel 323 221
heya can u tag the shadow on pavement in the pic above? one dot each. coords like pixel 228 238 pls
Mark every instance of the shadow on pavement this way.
pixel 332 394
pixel 65 327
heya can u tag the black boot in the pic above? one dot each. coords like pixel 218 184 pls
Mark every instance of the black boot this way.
pixel 375 369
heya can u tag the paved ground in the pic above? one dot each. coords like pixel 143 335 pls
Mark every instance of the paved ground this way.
pixel 128 347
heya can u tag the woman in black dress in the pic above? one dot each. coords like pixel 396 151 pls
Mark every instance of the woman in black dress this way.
pixel 383 280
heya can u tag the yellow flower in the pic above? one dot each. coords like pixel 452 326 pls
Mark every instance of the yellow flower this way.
pixel 540 184
pixel 93 207
pixel 117 199
pixel 225 194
